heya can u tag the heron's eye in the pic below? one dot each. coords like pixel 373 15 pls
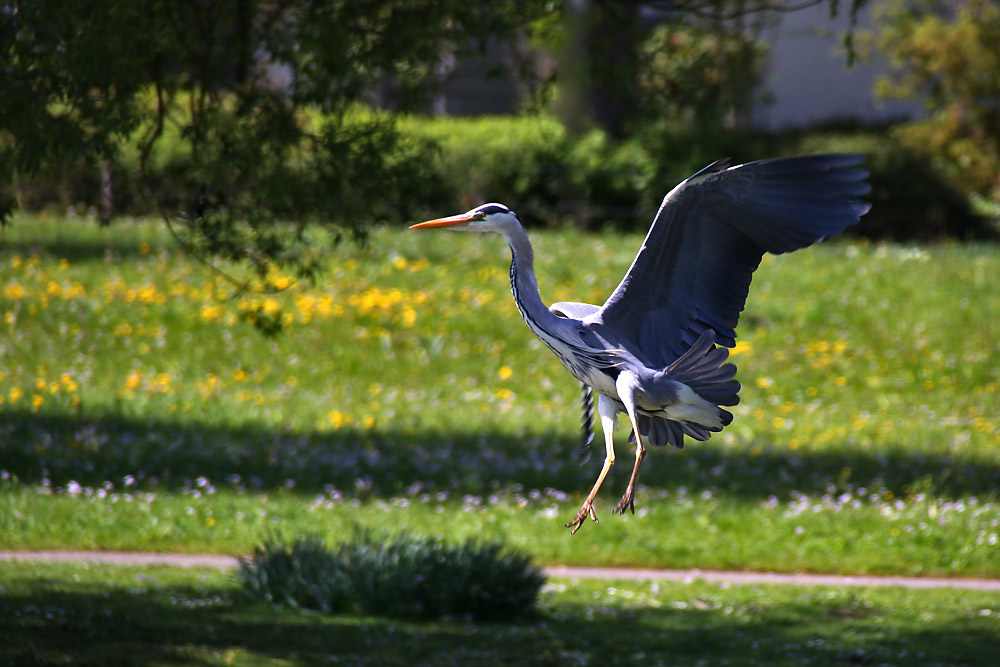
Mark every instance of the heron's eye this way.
pixel 479 216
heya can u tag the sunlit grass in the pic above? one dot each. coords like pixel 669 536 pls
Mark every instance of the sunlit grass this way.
pixel 141 409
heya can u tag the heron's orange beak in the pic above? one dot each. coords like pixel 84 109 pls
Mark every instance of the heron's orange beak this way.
pixel 452 221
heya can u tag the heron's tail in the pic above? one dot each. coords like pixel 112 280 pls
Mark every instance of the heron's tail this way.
pixel 703 369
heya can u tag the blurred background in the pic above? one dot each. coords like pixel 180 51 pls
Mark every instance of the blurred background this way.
pixel 332 394
pixel 235 118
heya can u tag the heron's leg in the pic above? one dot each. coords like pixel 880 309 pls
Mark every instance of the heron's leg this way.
pixel 607 411
pixel 626 392
pixel 628 500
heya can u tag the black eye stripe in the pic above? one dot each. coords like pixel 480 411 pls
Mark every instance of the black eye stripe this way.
pixel 493 208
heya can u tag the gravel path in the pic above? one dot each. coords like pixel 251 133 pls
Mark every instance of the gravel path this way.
pixel 738 578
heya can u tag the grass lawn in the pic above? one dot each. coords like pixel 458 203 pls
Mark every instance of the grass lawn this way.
pixel 80 614
pixel 141 410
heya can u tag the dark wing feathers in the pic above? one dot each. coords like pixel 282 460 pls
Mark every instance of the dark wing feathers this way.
pixel 694 268
pixel 703 368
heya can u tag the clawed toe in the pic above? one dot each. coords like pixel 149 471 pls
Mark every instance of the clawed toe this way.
pixel 628 500
pixel 581 517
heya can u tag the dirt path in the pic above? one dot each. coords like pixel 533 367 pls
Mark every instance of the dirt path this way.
pixel 737 578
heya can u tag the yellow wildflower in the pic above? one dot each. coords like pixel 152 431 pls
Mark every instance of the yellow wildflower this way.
pixel 271 306
pixel 209 384
pixel 13 291
pixel 209 313
pixel 337 418
pixel 740 348
pixel 134 380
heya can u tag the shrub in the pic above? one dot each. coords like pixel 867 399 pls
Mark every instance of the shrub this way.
pixel 406 576
pixel 518 160
pixel 447 164
pixel 946 55
pixel 533 164
pixel 613 177
pixel 911 200
pixel 303 574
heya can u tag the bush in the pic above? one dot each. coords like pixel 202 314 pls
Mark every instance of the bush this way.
pixel 946 55
pixel 444 165
pixel 532 164
pixel 406 576
pixel 911 200
pixel 519 160
pixel 612 177
pixel 303 574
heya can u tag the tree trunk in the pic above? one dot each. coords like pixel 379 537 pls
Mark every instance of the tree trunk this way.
pixel 107 207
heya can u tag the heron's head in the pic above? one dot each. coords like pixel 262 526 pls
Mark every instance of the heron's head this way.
pixel 483 218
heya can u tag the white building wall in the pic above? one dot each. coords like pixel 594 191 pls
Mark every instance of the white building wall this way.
pixel 809 80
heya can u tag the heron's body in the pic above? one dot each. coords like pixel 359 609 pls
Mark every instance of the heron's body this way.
pixel 570 331
pixel 650 351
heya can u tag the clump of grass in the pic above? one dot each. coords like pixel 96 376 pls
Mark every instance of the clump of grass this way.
pixel 302 574
pixel 405 576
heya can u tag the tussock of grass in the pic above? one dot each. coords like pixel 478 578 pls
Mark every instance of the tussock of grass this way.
pixel 405 576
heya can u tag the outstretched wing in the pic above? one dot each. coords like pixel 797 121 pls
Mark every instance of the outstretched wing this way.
pixel 694 268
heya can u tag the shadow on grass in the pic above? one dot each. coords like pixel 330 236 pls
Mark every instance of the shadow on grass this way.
pixel 49 622
pixel 120 243
pixel 62 448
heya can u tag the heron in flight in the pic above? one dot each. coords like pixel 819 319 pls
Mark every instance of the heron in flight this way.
pixel 657 349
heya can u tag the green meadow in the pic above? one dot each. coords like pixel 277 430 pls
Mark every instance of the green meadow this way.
pixel 95 614
pixel 142 410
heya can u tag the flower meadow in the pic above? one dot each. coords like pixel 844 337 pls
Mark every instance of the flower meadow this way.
pixel 140 408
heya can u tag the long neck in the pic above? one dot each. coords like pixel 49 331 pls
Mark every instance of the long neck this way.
pixel 523 284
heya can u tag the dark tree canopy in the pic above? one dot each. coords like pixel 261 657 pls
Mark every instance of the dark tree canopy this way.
pixel 263 102
pixel 232 84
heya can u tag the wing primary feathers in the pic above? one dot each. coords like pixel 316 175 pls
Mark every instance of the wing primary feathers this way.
pixel 695 265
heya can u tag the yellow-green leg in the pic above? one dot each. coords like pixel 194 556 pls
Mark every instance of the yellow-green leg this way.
pixel 607 411
pixel 626 392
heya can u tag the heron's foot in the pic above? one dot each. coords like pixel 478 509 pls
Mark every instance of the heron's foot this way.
pixel 628 500
pixel 581 517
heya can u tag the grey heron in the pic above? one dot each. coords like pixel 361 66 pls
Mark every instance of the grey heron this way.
pixel 657 349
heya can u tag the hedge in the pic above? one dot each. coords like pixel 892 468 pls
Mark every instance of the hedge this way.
pixel 550 178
